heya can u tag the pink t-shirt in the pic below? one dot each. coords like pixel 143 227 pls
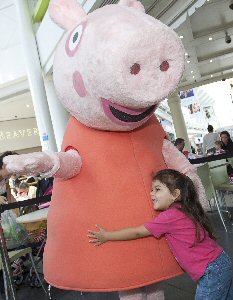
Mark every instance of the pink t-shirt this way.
pixel 179 231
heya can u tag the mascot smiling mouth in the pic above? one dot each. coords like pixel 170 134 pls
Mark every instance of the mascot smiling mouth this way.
pixel 126 116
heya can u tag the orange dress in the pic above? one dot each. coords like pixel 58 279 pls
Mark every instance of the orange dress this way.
pixel 113 190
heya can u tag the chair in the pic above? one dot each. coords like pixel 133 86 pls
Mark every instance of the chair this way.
pixel 218 172
pixel 230 160
pixel 14 255
pixel 204 174
pixel 7 257
pixel 220 179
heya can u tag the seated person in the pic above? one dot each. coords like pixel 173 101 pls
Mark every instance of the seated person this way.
pixel 193 150
pixel 14 183
pixel 199 149
pixel 179 144
pixel 45 187
pixel 218 147
pixel 5 190
pixel 25 191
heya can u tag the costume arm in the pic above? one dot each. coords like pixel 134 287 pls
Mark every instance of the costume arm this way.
pixel 126 234
pixel 63 164
pixel 174 159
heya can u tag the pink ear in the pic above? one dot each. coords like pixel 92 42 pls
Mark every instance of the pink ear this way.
pixel 66 13
pixel 132 3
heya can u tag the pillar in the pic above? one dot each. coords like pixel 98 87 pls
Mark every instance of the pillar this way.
pixel 34 74
pixel 59 115
pixel 178 119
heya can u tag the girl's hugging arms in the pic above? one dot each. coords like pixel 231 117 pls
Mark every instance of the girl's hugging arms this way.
pixel 102 235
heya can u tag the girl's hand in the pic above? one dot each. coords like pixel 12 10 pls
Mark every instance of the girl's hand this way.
pixel 98 237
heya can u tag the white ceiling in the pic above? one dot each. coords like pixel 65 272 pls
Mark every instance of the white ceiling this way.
pixel 8 25
pixel 208 58
pixel 212 19
pixel 18 107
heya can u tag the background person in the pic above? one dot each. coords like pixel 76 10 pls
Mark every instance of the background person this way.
pixel 193 150
pixel 209 140
pixel 227 143
pixel 5 190
pixel 23 191
pixel 179 144
pixel 218 147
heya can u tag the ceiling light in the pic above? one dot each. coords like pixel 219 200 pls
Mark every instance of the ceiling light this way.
pixel 210 38
pixel 211 60
pixel 186 53
pixel 193 76
pixel 181 36
pixel 211 75
pixel 227 38
pixel 191 72
pixel 27 105
pixel 188 61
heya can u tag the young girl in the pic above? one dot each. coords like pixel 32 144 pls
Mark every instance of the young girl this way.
pixel 188 233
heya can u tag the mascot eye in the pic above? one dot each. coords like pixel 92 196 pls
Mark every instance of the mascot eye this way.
pixel 74 40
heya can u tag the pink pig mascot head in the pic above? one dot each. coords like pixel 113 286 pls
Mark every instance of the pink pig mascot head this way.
pixel 114 65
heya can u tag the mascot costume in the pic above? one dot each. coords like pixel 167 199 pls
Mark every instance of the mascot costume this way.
pixel 112 68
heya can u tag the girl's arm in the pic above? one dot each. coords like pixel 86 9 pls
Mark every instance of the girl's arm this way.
pixel 126 234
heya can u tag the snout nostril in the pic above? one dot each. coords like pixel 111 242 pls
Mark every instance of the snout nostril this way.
pixel 164 66
pixel 135 69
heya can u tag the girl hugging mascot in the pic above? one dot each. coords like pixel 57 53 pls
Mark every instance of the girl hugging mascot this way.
pixel 112 68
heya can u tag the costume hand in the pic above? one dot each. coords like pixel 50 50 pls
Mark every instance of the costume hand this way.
pixel 97 237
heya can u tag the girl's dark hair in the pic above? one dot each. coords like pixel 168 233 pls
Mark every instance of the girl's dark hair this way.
pixel 190 204
pixel 5 154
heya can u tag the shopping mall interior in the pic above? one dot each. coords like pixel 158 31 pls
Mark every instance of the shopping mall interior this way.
pixel 32 119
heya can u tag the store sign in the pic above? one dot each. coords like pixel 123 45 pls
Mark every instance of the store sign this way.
pixel 17 134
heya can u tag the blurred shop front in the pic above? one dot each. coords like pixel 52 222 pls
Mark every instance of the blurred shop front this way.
pixel 19 135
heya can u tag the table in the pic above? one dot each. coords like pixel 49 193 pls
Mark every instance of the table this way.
pixel 35 216
pixel 204 159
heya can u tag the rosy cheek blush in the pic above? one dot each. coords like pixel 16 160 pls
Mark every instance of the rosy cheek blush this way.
pixel 79 84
